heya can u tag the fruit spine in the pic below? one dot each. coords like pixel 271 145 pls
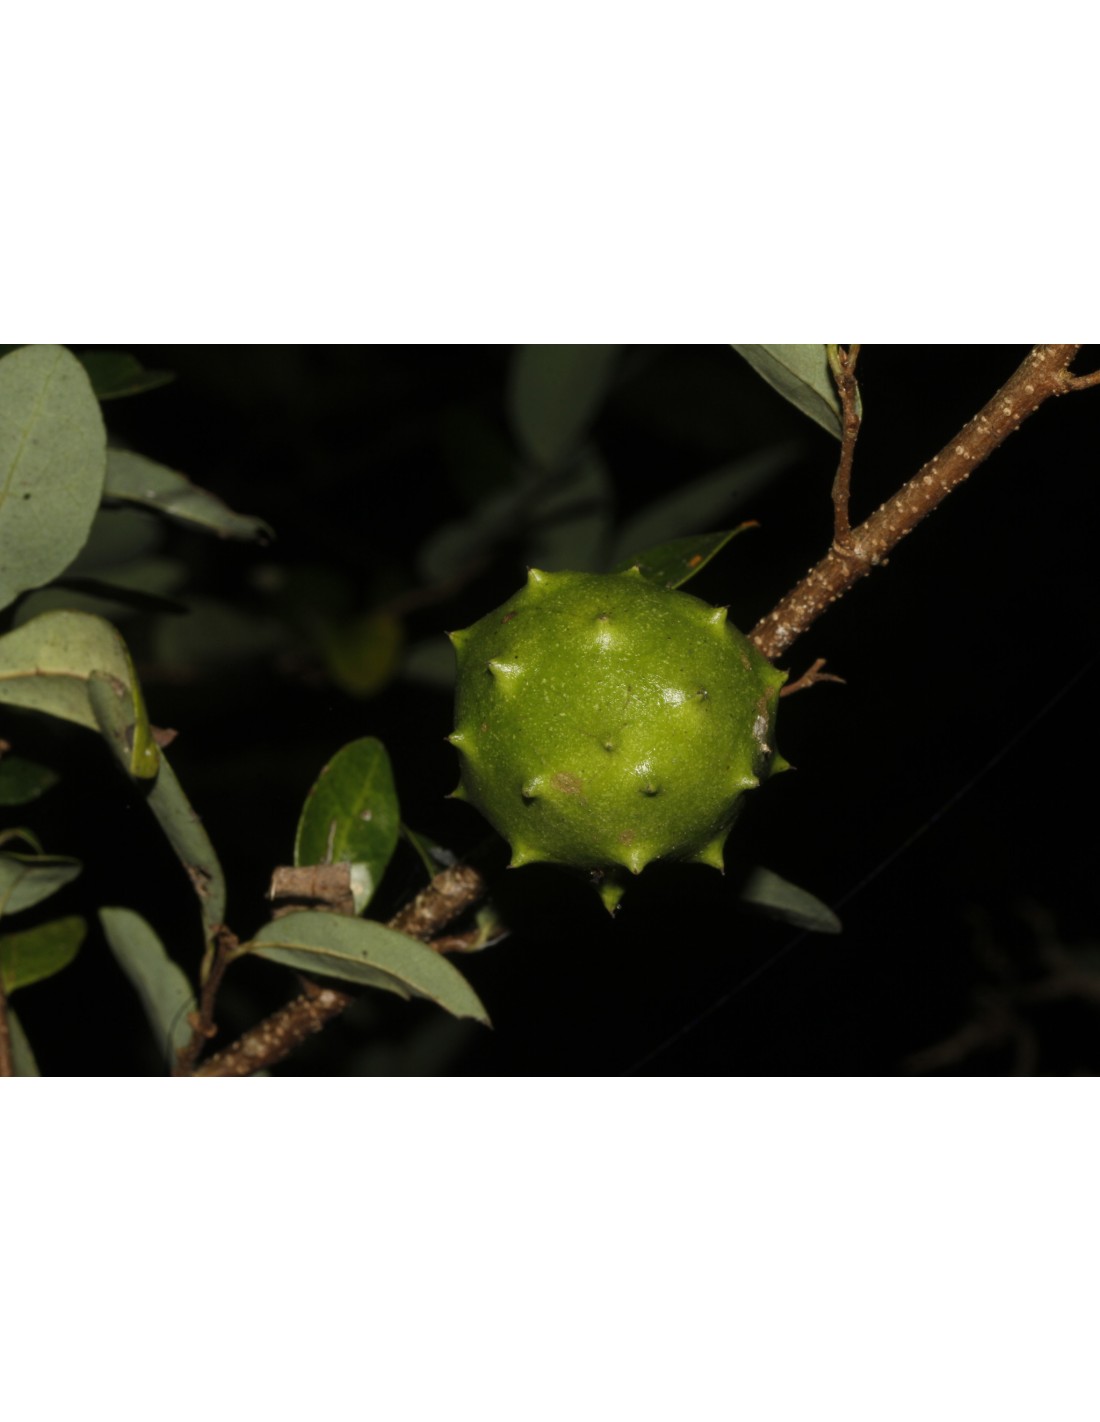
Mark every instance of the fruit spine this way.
pixel 603 722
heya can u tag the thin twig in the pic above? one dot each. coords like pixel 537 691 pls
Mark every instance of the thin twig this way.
pixel 436 907
pixel 1042 375
pixel 810 678
pixel 842 361
pixel 1084 382
pixel 203 1027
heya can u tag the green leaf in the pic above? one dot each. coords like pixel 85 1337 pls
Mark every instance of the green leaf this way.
pixel 801 375
pixel 361 653
pixel 133 479
pixel 23 1057
pixel 351 816
pixel 119 536
pixel 427 851
pixel 160 983
pixel 53 458
pixel 35 954
pixel 114 374
pixel 567 512
pixel 23 780
pixel 142 585
pixel 477 453
pixel 123 725
pixel 491 928
pixel 554 392
pixel 48 665
pixel 571 518
pixel 455 549
pixel 216 635
pixel 704 502
pixel 187 837
pixel 778 898
pixel 673 564
pixel 360 951
pixel 430 663
pixel 27 879
pixel 90 595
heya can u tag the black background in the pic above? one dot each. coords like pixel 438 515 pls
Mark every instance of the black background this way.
pixel 966 720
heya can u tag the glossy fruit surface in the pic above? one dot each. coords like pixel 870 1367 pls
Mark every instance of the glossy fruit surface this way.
pixel 604 722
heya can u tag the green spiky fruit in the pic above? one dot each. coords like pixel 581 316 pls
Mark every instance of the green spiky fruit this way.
pixel 603 722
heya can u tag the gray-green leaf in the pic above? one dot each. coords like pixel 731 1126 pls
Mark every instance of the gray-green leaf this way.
pixel 27 879
pixel 34 954
pixel 53 458
pixel 351 816
pixel 801 375
pixel 360 951
pixel 704 502
pixel 133 479
pixel 778 898
pixel 48 665
pixel 114 374
pixel 160 983
pixel 554 392
pixel 187 837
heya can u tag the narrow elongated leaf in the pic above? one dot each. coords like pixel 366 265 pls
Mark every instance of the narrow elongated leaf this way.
pixel 430 663
pixel 455 548
pixel 53 458
pixel 433 856
pixel 801 375
pixel 216 635
pixel 479 457
pixel 133 479
pixel 23 780
pixel 27 879
pixel 351 816
pixel 119 538
pixel 359 951
pixel 34 954
pixel 48 664
pixel 673 564
pixel 361 653
pixel 187 837
pixel 90 595
pixel 114 374
pixel 160 983
pixel 566 512
pixel 571 518
pixel 705 502
pixel 22 1055
pixel 778 898
pixel 554 393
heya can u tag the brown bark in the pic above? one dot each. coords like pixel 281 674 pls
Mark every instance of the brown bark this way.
pixel 1044 374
